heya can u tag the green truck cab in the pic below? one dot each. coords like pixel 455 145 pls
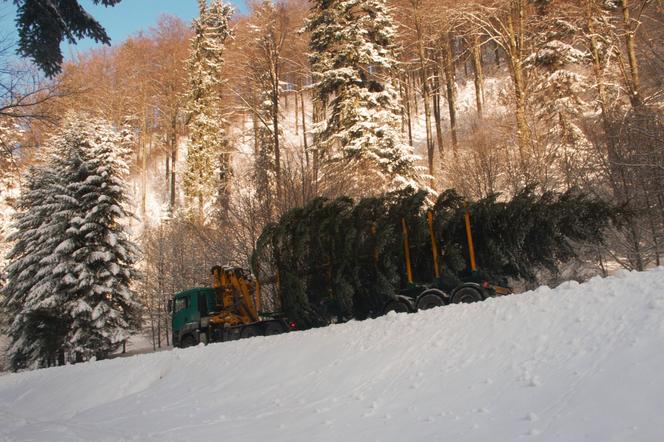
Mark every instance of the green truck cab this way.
pixel 222 313
pixel 188 308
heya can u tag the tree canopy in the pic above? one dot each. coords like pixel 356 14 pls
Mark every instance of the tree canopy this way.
pixel 44 24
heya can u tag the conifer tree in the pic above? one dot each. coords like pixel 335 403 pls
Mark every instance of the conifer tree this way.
pixel 25 307
pixel 352 58
pixel 44 24
pixel 265 163
pixel 72 264
pixel 103 310
pixel 208 169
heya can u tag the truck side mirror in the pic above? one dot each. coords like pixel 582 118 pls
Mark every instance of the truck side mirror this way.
pixel 169 306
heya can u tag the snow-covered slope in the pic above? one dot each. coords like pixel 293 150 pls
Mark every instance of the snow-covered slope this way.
pixel 580 362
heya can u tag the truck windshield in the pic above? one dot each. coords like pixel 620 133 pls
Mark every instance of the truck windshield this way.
pixel 180 304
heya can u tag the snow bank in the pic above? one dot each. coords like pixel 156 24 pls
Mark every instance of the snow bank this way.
pixel 579 362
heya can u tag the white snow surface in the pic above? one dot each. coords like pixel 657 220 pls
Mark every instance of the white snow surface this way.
pixel 579 362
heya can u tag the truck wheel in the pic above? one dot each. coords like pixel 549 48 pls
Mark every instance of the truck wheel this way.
pixel 397 306
pixel 430 299
pixel 466 295
pixel 249 332
pixel 187 341
pixel 274 328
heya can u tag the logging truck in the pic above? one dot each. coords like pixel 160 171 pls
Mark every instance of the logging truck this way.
pixel 418 296
pixel 230 309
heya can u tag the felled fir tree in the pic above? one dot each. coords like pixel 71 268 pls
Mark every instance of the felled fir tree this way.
pixel 342 258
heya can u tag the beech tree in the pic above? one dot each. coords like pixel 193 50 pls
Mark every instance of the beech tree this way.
pixel 267 33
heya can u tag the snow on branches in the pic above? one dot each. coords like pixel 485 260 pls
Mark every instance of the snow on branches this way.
pixel 352 58
pixel 71 266
pixel 208 167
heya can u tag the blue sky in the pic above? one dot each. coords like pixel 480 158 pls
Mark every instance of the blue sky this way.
pixel 121 21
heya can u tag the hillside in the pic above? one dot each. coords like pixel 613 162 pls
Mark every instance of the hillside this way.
pixel 579 362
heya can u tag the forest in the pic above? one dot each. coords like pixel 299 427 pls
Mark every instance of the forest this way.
pixel 231 122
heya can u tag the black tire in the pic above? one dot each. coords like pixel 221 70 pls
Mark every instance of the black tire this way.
pixel 466 295
pixel 249 332
pixel 397 306
pixel 430 299
pixel 274 328
pixel 187 341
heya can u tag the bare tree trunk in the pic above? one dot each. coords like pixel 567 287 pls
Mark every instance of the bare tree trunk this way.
pixel 304 127
pixel 144 167
pixel 479 74
pixel 167 166
pixel 599 80
pixel 408 111
pixel 437 113
pixel 633 81
pixel 168 330
pixel 515 58
pixel 450 80
pixel 201 217
pixel 275 126
pixel 413 87
pixel 174 157
pixel 255 127
pixel 318 116
pixel 297 122
pixel 426 98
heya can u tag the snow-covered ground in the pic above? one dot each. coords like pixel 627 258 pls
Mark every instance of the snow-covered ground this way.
pixel 579 362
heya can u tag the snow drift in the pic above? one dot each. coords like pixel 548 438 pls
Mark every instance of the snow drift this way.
pixel 579 362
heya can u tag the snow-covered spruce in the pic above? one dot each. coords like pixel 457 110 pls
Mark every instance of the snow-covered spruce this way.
pixel 72 264
pixel 208 168
pixel 33 316
pixel 352 59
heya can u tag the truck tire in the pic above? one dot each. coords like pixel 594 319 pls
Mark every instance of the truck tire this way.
pixel 430 299
pixel 187 341
pixel 274 328
pixel 249 332
pixel 466 295
pixel 397 306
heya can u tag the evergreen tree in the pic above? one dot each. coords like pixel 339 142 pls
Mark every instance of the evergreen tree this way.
pixel 44 24
pixel 265 163
pixel 71 266
pixel 31 317
pixel 352 59
pixel 208 169
pixel 103 311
